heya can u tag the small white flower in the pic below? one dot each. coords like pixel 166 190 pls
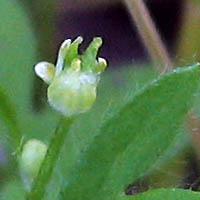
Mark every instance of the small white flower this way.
pixel 73 81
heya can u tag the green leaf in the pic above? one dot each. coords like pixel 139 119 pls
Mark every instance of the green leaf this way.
pixel 116 87
pixel 167 194
pixel 8 116
pixel 132 140
pixel 13 190
pixel 18 55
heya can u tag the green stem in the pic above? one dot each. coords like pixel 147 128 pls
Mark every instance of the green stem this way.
pixel 188 48
pixel 149 34
pixel 50 160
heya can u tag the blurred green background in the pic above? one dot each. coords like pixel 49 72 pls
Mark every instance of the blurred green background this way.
pixel 31 31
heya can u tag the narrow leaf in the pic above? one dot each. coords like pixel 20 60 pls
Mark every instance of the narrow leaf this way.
pixel 120 82
pixel 18 52
pixel 130 142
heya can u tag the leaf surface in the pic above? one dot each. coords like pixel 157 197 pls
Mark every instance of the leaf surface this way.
pixel 116 87
pixel 133 139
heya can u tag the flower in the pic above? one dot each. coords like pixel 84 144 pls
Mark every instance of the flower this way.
pixel 73 81
pixel 31 159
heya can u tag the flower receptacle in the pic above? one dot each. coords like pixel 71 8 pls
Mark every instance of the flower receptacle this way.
pixel 73 81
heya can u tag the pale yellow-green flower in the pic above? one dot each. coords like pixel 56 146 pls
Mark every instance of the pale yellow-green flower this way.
pixel 73 81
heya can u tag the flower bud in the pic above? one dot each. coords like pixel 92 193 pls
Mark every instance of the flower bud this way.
pixel 73 82
pixel 30 161
pixel 73 93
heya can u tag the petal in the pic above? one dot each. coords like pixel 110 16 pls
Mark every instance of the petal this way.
pixel 100 67
pixel 61 55
pixel 45 71
pixel 72 51
pixel 89 56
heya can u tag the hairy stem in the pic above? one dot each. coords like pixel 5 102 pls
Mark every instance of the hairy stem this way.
pixel 50 160
pixel 149 34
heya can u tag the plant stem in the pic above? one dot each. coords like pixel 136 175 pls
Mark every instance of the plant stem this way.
pixel 188 48
pixel 50 160
pixel 149 34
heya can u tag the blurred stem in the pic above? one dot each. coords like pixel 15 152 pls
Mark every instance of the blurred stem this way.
pixel 194 126
pixel 188 52
pixel 188 49
pixel 149 34
pixel 50 160
pixel 42 13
